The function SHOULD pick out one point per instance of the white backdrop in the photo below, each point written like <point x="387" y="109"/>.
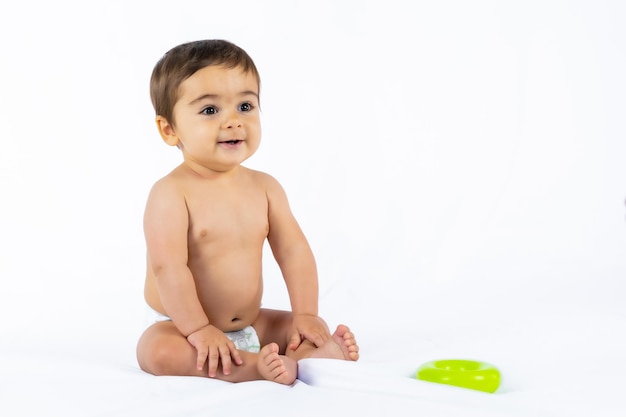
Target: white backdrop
<point x="452" y="162"/>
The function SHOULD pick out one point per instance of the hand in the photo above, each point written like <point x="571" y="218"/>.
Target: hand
<point x="210" y="342"/>
<point x="308" y="327"/>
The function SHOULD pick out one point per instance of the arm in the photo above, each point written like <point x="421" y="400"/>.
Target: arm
<point x="297" y="264"/>
<point x="166" y="224"/>
<point x="165" y="228"/>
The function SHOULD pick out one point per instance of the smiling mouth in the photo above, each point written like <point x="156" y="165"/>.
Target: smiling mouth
<point x="232" y="142"/>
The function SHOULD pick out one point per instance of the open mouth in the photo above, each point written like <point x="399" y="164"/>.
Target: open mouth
<point x="231" y="142"/>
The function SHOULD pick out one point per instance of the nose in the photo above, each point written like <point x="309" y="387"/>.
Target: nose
<point x="232" y="121"/>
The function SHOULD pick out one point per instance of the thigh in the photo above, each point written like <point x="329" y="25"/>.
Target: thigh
<point x="273" y="326"/>
<point x="163" y="350"/>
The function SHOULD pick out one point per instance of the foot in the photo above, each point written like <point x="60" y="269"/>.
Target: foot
<point x="275" y="367"/>
<point x="342" y="345"/>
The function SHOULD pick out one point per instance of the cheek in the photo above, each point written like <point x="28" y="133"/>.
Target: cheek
<point x="255" y="126"/>
<point x="205" y="129"/>
<point x="254" y="133"/>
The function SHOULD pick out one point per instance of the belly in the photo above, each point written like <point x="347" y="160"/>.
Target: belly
<point x="230" y="292"/>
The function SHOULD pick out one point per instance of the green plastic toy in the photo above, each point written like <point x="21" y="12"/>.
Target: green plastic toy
<point x="463" y="373"/>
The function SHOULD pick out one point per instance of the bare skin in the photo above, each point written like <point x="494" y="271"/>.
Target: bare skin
<point x="283" y="369"/>
<point x="205" y="225"/>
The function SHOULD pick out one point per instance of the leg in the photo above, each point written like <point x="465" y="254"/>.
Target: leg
<point x="271" y="327"/>
<point x="162" y="350"/>
<point x="274" y="326"/>
<point x="342" y="345"/>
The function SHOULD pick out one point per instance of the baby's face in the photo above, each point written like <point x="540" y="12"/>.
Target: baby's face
<point x="217" y="117"/>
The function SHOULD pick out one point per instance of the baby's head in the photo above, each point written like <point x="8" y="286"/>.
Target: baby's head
<point x="182" y="61"/>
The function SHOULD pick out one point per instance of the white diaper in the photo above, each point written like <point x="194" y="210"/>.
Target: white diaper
<point x="244" y="339"/>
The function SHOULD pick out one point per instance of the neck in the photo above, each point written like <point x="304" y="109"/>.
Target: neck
<point x="211" y="173"/>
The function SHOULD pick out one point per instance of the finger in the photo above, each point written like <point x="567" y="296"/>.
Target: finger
<point x="225" y="357"/>
<point x="214" y="360"/>
<point x="234" y="353"/>
<point x="318" y="338"/>
<point x="201" y="359"/>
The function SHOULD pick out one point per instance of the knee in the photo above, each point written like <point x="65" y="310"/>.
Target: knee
<point x="157" y="358"/>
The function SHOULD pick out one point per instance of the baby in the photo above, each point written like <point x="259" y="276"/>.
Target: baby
<point x="205" y="226"/>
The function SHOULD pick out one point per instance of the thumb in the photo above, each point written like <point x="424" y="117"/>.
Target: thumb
<point x="294" y="340"/>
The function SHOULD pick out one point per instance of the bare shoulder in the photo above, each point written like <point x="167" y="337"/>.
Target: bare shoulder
<point x="168" y="188"/>
<point x="279" y="211"/>
<point x="267" y="181"/>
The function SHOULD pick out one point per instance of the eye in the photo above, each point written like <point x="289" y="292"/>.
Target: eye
<point x="246" y="107"/>
<point x="209" y="110"/>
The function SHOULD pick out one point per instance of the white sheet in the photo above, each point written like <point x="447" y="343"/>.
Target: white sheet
<point x="554" y="363"/>
<point x="563" y="363"/>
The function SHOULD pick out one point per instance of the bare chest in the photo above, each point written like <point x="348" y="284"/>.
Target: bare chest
<point x="235" y="218"/>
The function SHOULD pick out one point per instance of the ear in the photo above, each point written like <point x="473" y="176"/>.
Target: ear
<point x="166" y="130"/>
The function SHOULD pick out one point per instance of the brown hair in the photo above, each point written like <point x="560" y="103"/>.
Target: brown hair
<point x="182" y="61"/>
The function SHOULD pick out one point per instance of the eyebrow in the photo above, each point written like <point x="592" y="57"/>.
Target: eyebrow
<point x="214" y="96"/>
